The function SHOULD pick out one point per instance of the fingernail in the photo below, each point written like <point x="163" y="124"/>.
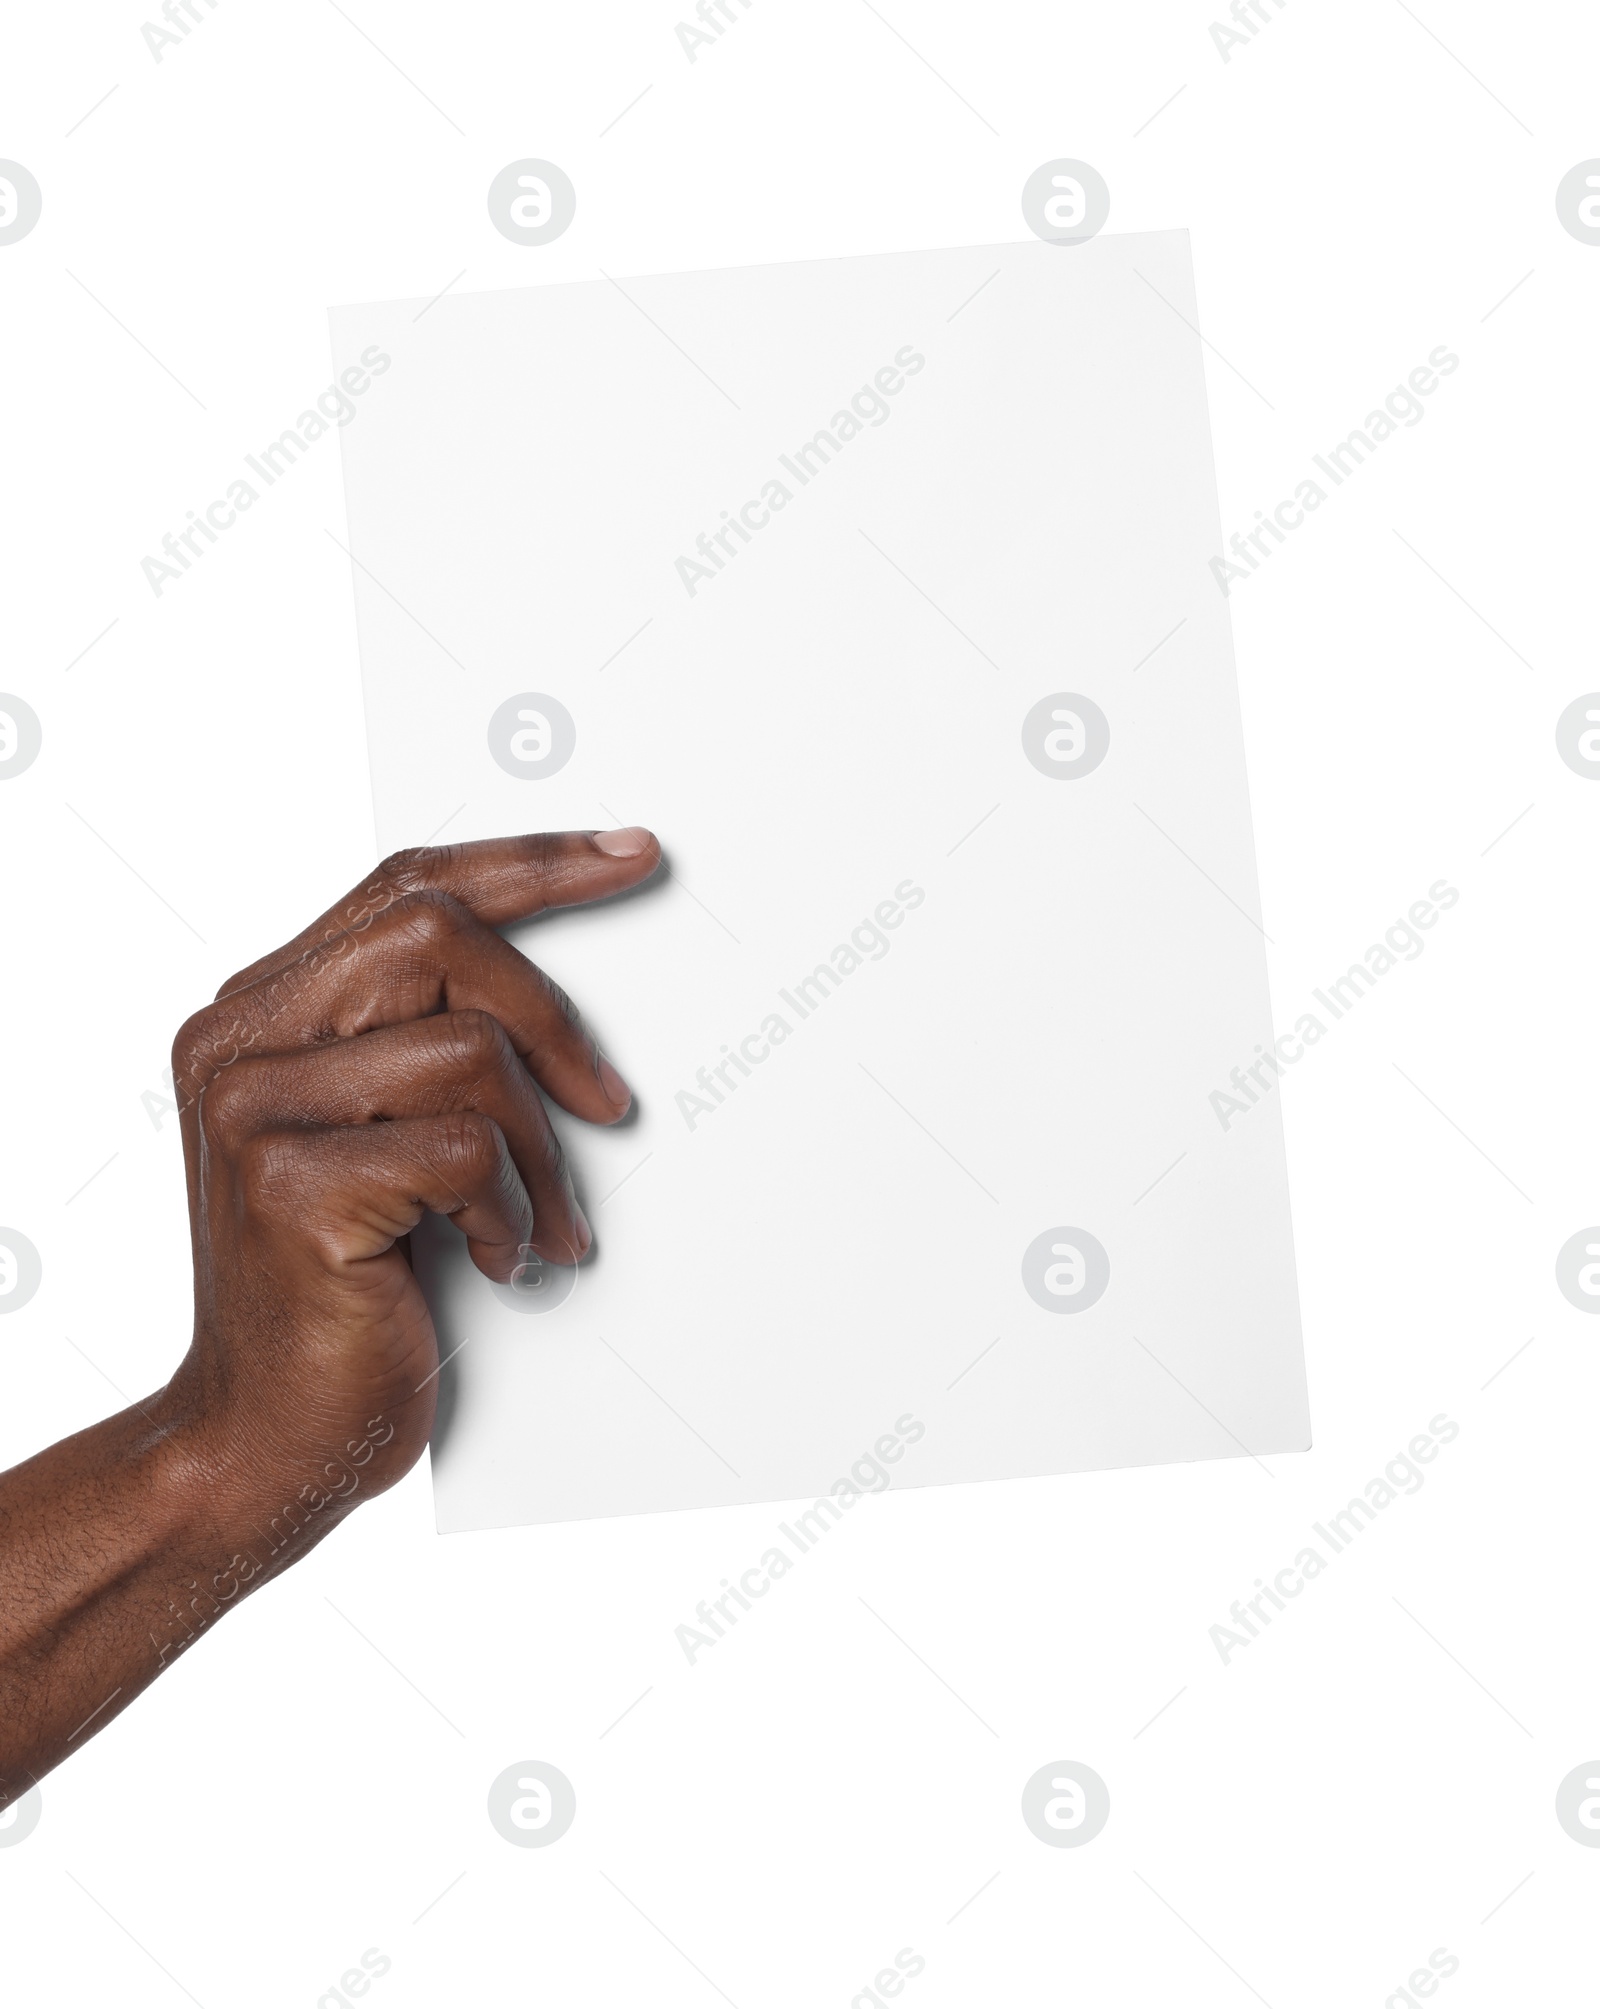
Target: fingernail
<point x="622" y="843"/>
<point x="585" y="1233"/>
<point x="617" y="1090"/>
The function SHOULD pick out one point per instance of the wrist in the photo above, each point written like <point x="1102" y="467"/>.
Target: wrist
<point x="257" y="1495"/>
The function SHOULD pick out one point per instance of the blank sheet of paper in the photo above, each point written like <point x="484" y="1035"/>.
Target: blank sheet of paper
<point x="880" y="589"/>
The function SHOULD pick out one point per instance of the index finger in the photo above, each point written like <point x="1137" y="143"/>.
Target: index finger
<point x="501" y="879"/>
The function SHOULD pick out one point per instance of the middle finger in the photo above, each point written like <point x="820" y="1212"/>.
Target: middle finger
<point x="424" y="955"/>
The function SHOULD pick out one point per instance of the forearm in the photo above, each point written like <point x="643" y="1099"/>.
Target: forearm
<point x="118" y="1547"/>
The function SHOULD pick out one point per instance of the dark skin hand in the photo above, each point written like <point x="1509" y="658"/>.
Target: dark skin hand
<point x="380" y="1066"/>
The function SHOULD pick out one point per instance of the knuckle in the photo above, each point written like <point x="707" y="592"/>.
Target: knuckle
<point x="414" y="869"/>
<point x="208" y="1041"/>
<point x="430" y="916"/>
<point x="407" y="869"/>
<point x="224" y="1104"/>
<point x="472" y="1141"/>
<point x="475" y="1041"/>
<point x="193" y="1038"/>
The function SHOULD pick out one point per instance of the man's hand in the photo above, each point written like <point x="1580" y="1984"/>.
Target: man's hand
<point x="384" y="1064"/>
<point x="380" y="1066"/>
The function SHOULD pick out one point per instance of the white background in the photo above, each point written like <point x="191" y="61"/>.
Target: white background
<point x="1374" y="1777"/>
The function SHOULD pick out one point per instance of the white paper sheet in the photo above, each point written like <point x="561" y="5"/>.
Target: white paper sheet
<point x="1040" y="968"/>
